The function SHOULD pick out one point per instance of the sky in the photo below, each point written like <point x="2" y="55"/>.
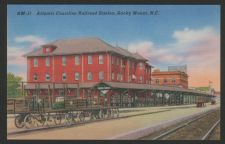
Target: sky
<point x="176" y="35"/>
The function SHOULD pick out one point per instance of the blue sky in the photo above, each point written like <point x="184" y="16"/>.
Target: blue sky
<point x="161" y="32"/>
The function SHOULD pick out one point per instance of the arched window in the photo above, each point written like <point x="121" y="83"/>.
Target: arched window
<point x="77" y="76"/>
<point x="35" y="77"/>
<point x="64" y="76"/>
<point x="47" y="77"/>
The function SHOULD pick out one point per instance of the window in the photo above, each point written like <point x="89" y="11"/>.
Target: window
<point x="47" y="49"/>
<point x="101" y="75"/>
<point x="141" y="65"/>
<point x="117" y="62"/>
<point x="100" y="59"/>
<point x="64" y="76"/>
<point x="63" y="60"/>
<point x="47" y="77"/>
<point x="77" y="60"/>
<point x="89" y="59"/>
<point x="121" y="77"/>
<point x="174" y="81"/>
<point x="35" y="62"/>
<point x="165" y="80"/>
<point x="47" y="61"/>
<point x="129" y="78"/>
<point x="112" y="59"/>
<point x="35" y="77"/>
<point x="141" y="79"/>
<point x="118" y="76"/>
<point x="157" y="81"/>
<point x="77" y="76"/>
<point x="112" y="76"/>
<point x="89" y="76"/>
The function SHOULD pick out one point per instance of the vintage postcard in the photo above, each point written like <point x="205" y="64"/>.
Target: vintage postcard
<point x="111" y="72"/>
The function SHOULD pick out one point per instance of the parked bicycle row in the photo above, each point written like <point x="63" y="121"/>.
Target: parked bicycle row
<point x="64" y="117"/>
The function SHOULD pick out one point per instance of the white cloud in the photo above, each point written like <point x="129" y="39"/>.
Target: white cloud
<point x="15" y="53"/>
<point x="190" y="45"/>
<point x="34" y="41"/>
<point x="15" y="56"/>
<point x="155" y="54"/>
<point x="198" y="48"/>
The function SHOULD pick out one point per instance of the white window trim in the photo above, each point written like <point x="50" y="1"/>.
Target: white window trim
<point x="141" y="65"/>
<point x="77" y="74"/>
<point x="63" y="60"/>
<point x="35" y="64"/>
<point x="101" y="59"/>
<point x="47" y="61"/>
<point x="101" y="75"/>
<point x="112" y="59"/>
<point x="77" y="60"/>
<point x="47" y="49"/>
<point x="63" y="76"/>
<point x="89" y="59"/>
<point x="112" y="76"/>
<point x="36" y="77"/>
<point x="46" y="77"/>
<point x="89" y="74"/>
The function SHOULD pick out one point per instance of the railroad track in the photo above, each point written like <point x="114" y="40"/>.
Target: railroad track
<point x="211" y="131"/>
<point x="191" y="129"/>
<point x="78" y="124"/>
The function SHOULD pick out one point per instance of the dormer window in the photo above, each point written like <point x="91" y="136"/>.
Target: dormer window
<point x="47" y="49"/>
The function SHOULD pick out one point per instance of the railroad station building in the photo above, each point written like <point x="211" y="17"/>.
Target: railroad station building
<point x="84" y="63"/>
<point x="91" y="69"/>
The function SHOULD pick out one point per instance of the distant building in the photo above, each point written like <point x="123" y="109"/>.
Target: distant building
<point x="206" y="89"/>
<point x="170" y="78"/>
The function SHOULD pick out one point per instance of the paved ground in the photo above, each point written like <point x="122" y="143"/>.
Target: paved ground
<point x="111" y="128"/>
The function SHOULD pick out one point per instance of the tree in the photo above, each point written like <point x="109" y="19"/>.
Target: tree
<point x="13" y="85"/>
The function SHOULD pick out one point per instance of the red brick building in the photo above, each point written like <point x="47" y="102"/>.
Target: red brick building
<point x="170" y="78"/>
<point x="86" y="62"/>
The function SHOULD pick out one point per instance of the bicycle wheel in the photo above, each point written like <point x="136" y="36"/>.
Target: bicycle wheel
<point x="112" y="113"/>
<point x="41" y="120"/>
<point x="19" y="121"/>
<point x="81" y="117"/>
<point x="116" y="112"/>
<point x="69" y="119"/>
<point x="101" y="114"/>
<point x="29" y="121"/>
<point x="108" y="113"/>
<point x="57" y="119"/>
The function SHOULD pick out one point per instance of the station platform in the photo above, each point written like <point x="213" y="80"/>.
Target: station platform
<point x="116" y="128"/>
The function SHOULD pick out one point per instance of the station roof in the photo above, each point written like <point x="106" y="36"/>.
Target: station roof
<point x="114" y="85"/>
<point x="82" y="45"/>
